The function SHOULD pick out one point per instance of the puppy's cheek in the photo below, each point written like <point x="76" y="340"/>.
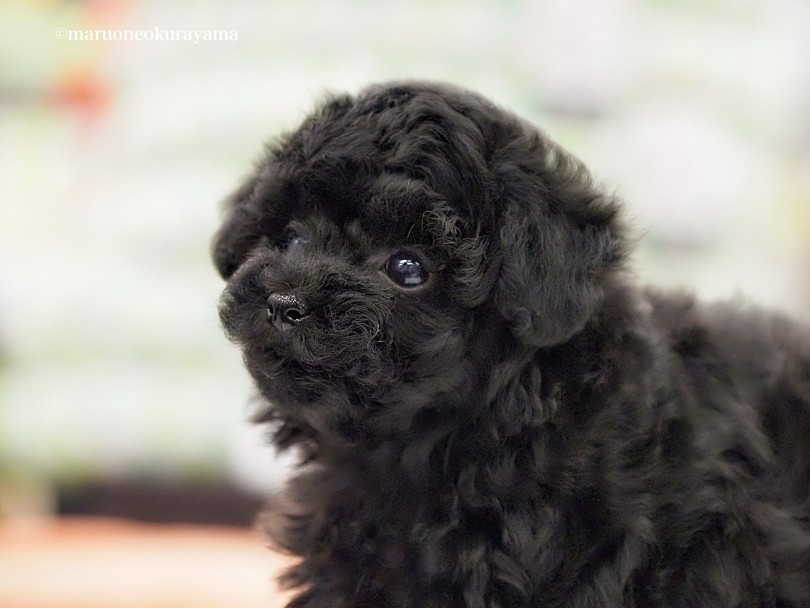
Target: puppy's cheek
<point x="348" y="341"/>
<point x="431" y="331"/>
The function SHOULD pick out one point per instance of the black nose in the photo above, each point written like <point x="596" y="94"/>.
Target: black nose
<point x="285" y="310"/>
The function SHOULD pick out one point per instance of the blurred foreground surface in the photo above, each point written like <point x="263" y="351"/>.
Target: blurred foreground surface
<point x="109" y="563"/>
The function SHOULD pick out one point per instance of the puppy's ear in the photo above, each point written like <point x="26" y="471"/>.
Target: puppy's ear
<point x="252" y="213"/>
<point x="559" y="239"/>
<point x="239" y="231"/>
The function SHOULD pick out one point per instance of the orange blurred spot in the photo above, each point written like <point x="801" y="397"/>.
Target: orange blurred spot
<point x="84" y="90"/>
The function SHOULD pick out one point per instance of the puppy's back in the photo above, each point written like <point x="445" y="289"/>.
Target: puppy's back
<point x="752" y="367"/>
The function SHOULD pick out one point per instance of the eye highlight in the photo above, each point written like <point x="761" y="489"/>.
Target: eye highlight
<point x="405" y="270"/>
<point x="291" y="240"/>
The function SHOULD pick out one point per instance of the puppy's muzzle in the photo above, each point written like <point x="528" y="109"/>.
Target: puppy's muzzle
<point x="285" y="310"/>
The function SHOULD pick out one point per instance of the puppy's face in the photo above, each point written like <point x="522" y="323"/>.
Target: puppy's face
<point x="398" y="244"/>
<point x="355" y="301"/>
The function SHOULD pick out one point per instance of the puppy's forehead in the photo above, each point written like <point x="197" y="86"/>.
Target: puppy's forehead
<point x="388" y="160"/>
<point x="397" y="204"/>
<point x="418" y="130"/>
<point x="389" y="210"/>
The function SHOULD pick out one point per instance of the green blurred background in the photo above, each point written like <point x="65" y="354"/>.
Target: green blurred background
<point x="114" y="156"/>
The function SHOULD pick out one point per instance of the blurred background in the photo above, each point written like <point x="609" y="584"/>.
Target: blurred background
<point x="119" y="396"/>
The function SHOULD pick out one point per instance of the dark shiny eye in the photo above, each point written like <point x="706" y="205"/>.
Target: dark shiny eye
<point x="405" y="270"/>
<point x="292" y="240"/>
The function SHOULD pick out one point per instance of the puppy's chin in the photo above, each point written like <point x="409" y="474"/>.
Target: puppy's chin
<point x="310" y="366"/>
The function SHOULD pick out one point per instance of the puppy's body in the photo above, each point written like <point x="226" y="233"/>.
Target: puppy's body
<point x="430" y="297"/>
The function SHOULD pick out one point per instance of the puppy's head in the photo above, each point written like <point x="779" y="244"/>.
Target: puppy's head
<point x="399" y="243"/>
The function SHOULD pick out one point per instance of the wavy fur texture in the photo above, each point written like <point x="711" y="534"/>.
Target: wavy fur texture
<point x="528" y="428"/>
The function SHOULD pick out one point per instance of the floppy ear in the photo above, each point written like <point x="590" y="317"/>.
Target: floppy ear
<point x="559" y="239"/>
<point x="252" y="213"/>
<point x="239" y="232"/>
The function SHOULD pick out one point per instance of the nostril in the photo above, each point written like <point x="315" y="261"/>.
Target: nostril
<point x="294" y="315"/>
<point x="285" y="310"/>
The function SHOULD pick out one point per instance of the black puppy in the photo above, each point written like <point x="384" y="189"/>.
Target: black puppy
<point x="430" y="296"/>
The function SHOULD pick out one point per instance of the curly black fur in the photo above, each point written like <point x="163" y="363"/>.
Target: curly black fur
<point x="527" y="428"/>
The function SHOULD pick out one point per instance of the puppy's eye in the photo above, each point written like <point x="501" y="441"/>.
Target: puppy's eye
<point x="405" y="270"/>
<point x="292" y="240"/>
